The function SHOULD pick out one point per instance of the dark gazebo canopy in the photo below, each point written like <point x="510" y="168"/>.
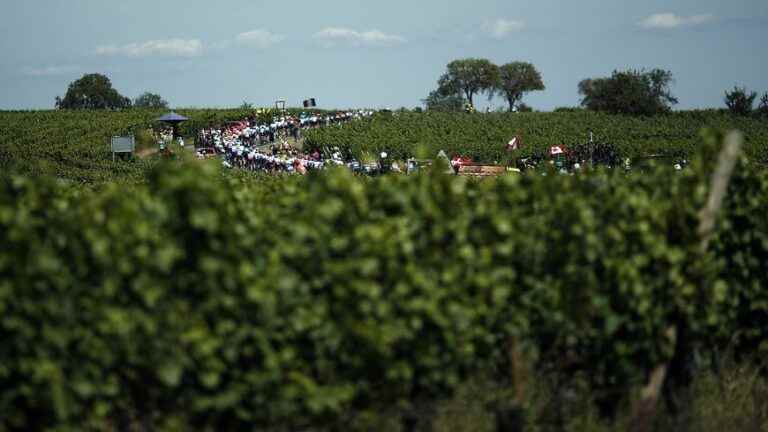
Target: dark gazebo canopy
<point x="174" y="120"/>
<point x="172" y="117"/>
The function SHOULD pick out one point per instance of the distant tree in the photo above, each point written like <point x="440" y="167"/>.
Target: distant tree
<point x="150" y="100"/>
<point x="762" y="109"/>
<point x="469" y="77"/>
<point x="522" y="107"/>
<point x="629" y="92"/>
<point x="418" y="109"/>
<point x="92" y="91"/>
<point x="568" y="109"/>
<point x="739" y="101"/>
<point x="516" y="79"/>
<point x="246" y="106"/>
<point x="439" y="101"/>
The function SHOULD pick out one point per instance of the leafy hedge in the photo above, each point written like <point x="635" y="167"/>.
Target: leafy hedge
<point x="204" y="300"/>
<point x="484" y="136"/>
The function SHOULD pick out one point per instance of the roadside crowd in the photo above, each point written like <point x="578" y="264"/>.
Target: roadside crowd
<point x="248" y="144"/>
<point x="164" y="135"/>
<point x="255" y="146"/>
<point x="250" y="132"/>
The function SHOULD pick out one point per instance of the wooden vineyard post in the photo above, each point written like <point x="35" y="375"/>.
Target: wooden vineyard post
<point x="644" y="410"/>
<point x="726" y="163"/>
<point x="511" y="418"/>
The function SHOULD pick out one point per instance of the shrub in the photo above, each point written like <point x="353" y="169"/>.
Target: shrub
<point x="739" y="101"/>
<point x="568" y="109"/>
<point x="762" y="109"/>
<point x="629" y="92"/>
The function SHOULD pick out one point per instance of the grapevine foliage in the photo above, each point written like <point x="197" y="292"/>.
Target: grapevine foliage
<point x="230" y="304"/>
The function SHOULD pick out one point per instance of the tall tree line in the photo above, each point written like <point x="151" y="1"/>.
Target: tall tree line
<point x="466" y="78"/>
<point x="634" y="92"/>
<point x="95" y="92"/>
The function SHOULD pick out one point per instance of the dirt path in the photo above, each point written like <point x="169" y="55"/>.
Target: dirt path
<point x="149" y="152"/>
<point x="146" y="153"/>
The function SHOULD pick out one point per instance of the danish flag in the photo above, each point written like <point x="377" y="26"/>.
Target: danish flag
<point x="556" y="150"/>
<point x="514" y="144"/>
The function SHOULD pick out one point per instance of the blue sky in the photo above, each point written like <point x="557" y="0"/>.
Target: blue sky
<point x="359" y="53"/>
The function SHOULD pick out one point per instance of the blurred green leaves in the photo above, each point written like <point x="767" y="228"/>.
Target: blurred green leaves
<point x="228" y="303"/>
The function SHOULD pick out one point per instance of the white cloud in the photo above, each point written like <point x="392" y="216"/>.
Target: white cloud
<point x="671" y="21"/>
<point x="260" y="38"/>
<point x="166" y="48"/>
<point x="48" y="71"/>
<point x="331" y="36"/>
<point x="501" y="28"/>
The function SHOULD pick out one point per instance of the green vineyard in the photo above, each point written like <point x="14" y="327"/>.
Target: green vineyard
<point x="74" y="145"/>
<point x="414" y="216"/>
<point x="484" y="136"/>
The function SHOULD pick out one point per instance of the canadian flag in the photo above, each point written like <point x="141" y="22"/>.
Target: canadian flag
<point x="556" y="150"/>
<point x="458" y="161"/>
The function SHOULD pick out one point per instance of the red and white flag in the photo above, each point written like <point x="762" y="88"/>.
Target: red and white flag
<point x="514" y="144"/>
<point x="556" y="150"/>
<point x="458" y="161"/>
